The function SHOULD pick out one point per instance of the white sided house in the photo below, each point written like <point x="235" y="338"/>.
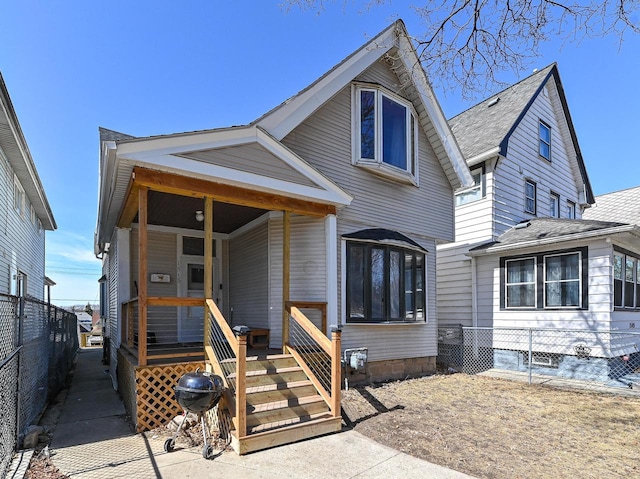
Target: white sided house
<point x="303" y="233"/>
<point x="26" y="213"/>
<point x="523" y="257"/>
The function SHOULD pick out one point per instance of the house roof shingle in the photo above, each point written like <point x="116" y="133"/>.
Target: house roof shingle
<point x="540" y="229"/>
<point x="483" y="127"/>
<point x="489" y="124"/>
<point x="623" y="205"/>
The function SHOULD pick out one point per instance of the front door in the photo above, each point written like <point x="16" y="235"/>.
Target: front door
<point x="191" y="318"/>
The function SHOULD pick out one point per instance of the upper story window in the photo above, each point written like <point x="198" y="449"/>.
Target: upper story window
<point x="476" y="192"/>
<point x="544" y="133"/>
<point x="530" y="196"/>
<point x="545" y="281"/>
<point x="386" y="134"/>
<point x="19" y="198"/>
<point x="571" y="207"/>
<point x="554" y="205"/>
<point x="384" y="284"/>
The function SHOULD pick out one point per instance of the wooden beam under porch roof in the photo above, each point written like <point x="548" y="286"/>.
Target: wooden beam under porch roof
<point x="199" y="188"/>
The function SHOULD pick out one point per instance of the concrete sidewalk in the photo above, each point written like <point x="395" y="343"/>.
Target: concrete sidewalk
<point x="93" y="440"/>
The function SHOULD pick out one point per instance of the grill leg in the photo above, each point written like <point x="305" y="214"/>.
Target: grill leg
<point x="170" y="443"/>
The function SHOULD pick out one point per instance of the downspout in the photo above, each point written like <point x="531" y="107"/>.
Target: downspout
<point x="474" y="306"/>
<point x="474" y="293"/>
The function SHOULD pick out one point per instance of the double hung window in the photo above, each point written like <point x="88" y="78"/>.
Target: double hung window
<point x="384" y="284"/>
<point x="530" y="196"/>
<point x="545" y="281"/>
<point x="544" y="133"/>
<point x="626" y="280"/>
<point x="554" y="205"/>
<point x="571" y="207"/>
<point x="386" y="133"/>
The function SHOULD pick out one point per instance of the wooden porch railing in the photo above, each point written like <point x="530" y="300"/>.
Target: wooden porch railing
<point x="227" y="354"/>
<point x="318" y="355"/>
<point x="133" y="327"/>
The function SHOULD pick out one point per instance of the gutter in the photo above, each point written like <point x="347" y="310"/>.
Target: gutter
<point x="474" y="160"/>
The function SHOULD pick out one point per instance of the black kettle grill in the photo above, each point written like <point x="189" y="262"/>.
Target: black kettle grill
<point x="197" y="392"/>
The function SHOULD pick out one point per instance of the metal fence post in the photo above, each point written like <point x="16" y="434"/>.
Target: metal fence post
<point x="530" y="351"/>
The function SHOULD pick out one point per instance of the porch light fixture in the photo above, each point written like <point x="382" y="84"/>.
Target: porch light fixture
<point x="199" y="216"/>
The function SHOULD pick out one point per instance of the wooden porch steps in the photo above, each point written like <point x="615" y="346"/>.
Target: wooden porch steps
<point x="282" y="404"/>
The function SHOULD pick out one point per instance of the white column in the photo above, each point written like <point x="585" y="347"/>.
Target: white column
<point x="331" y="255"/>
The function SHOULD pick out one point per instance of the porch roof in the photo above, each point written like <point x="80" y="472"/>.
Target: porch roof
<point x="246" y="158"/>
<point x="548" y="231"/>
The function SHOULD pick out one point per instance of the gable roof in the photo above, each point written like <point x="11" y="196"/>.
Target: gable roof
<point x="15" y="148"/>
<point x="281" y="120"/>
<point x="544" y="231"/>
<point x="488" y="126"/>
<point x="623" y="205"/>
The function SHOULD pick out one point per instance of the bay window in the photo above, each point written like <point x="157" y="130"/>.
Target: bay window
<point x="386" y="133"/>
<point x="384" y="284"/>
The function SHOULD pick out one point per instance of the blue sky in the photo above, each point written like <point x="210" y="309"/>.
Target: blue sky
<point x="156" y="67"/>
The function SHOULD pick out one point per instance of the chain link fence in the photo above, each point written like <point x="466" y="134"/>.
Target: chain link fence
<point x="38" y="343"/>
<point x="606" y="361"/>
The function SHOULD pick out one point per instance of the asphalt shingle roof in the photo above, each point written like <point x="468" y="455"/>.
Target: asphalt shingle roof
<point x="483" y="127"/>
<point x="621" y="205"/>
<point x="542" y="228"/>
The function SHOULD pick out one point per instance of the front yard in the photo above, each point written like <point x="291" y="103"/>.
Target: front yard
<point x="493" y="428"/>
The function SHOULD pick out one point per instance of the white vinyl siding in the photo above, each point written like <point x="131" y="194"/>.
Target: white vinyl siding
<point x="249" y="278"/>
<point x="559" y="176"/>
<point x="423" y="213"/>
<point x="22" y="242"/>
<point x="453" y="282"/>
<point x="162" y="258"/>
<point x="307" y="268"/>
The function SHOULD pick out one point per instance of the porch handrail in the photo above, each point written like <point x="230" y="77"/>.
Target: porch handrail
<point x="229" y="361"/>
<point x="302" y="343"/>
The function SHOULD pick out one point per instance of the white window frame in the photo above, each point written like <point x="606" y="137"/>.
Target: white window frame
<point x="19" y="197"/>
<point x="542" y="141"/>
<point x="571" y="206"/>
<point x="476" y="192"/>
<point x="578" y="280"/>
<point x="535" y="196"/>
<point x="534" y="282"/>
<point x="554" y="203"/>
<point x="377" y="165"/>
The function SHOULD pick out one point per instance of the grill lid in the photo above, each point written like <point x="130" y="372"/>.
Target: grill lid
<point x="200" y="382"/>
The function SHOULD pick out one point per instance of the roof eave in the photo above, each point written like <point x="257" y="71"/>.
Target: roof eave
<point x="499" y="248"/>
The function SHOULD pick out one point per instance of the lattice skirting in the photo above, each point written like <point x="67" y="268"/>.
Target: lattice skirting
<point x="155" y="404"/>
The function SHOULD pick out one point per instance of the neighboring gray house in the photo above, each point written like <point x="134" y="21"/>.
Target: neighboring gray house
<point x="26" y="213"/>
<point x="523" y="258"/>
<point x="321" y="201"/>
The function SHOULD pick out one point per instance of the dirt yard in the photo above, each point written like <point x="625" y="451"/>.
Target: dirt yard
<point x="493" y="428"/>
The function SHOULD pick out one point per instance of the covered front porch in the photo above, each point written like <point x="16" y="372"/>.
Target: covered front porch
<point x="210" y="276"/>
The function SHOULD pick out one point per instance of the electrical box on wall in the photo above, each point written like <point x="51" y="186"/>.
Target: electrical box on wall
<point x="160" y="278"/>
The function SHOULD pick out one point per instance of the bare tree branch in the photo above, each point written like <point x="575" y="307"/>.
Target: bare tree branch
<point x="468" y="44"/>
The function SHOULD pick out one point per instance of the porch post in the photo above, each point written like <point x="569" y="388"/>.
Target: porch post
<point x="208" y="263"/>
<point x="331" y="255"/>
<point x="142" y="275"/>
<point x="286" y="276"/>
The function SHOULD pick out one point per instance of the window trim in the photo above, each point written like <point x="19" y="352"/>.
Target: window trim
<point x="624" y="254"/>
<point x="571" y="206"/>
<point x="481" y="185"/>
<point x="377" y="165"/>
<point x="540" y="283"/>
<point x="535" y="196"/>
<point x="541" y="141"/>
<point x="554" y="199"/>
<point x="19" y="197"/>
<point x="366" y="319"/>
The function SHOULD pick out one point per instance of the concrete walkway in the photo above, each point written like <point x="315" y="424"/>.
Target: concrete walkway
<point x="93" y="440"/>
